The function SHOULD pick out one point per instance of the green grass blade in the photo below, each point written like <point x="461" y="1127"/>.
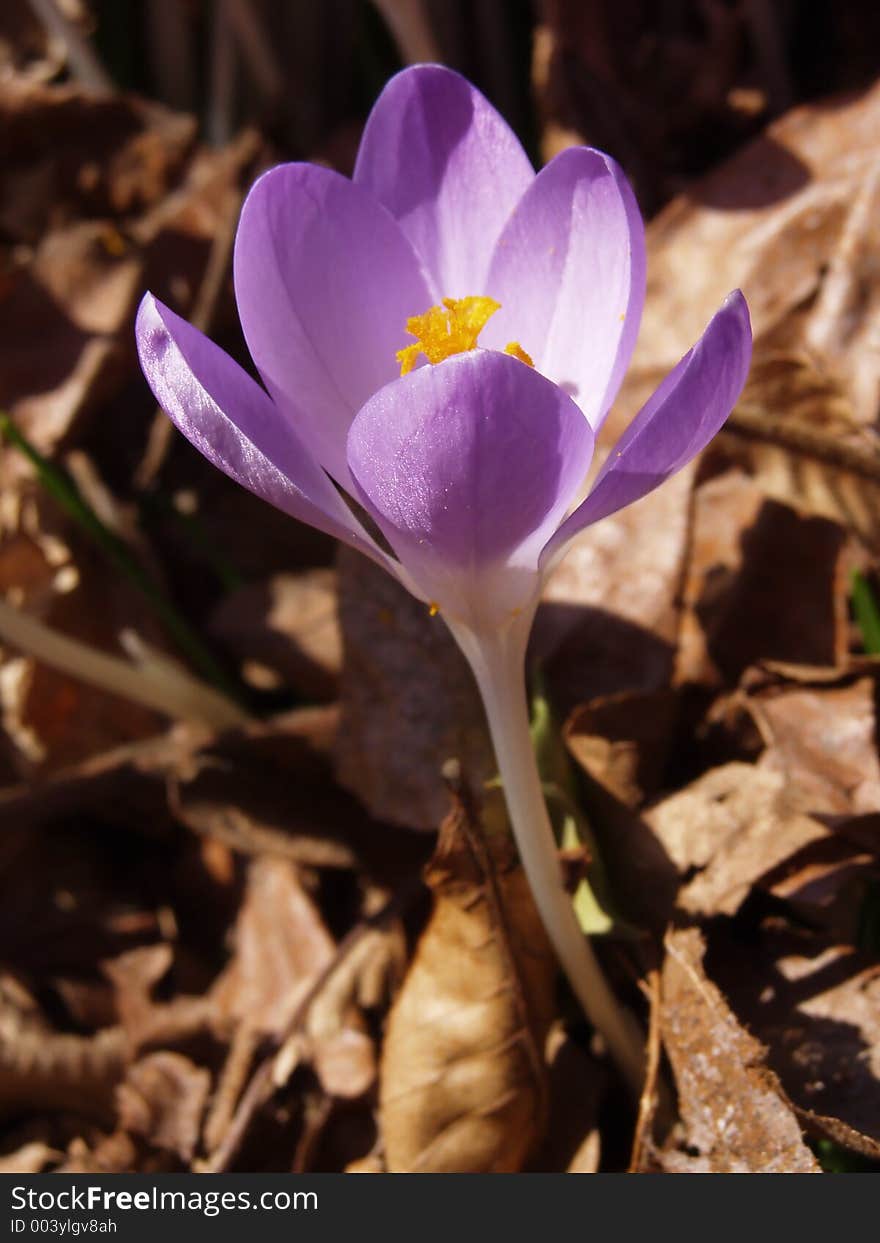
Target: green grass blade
<point x="867" y="613"/>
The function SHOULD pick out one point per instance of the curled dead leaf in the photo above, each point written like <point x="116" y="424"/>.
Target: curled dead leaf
<point x="463" y="1082"/>
<point x="162" y="1098"/>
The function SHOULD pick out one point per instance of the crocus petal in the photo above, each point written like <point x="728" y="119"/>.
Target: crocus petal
<point x="448" y="168"/>
<point x="467" y="466"/>
<point x="569" y="272"/>
<point x="686" y="411"/>
<point x="229" y="419"/>
<point x="325" y="282"/>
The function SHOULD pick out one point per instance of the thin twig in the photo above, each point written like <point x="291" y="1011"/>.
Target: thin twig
<point x="262" y="1084"/>
<point x="755" y="423"/>
<point x="650" y="1094"/>
<point x="233" y="1077"/>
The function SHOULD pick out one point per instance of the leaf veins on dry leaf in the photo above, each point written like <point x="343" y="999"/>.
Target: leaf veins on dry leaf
<point x="463" y="1082"/>
<point x="735" y="1118"/>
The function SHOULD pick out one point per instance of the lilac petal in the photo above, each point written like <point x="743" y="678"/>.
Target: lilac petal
<point x="448" y="168"/>
<point x="467" y="466"/>
<point x="680" y="419"/>
<point x="229" y="419"/>
<point x="569" y="272"/>
<point x="325" y="283"/>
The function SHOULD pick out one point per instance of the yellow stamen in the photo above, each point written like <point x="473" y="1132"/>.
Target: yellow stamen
<point x="514" y="348"/>
<point x="452" y="328"/>
<point x="433" y="608"/>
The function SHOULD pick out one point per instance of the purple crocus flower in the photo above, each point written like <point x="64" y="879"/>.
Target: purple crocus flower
<point x="467" y="445"/>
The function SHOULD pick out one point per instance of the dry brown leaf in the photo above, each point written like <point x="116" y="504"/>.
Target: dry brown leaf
<point x="824" y="741"/>
<point x="733" y="1111"/>
<point x="791" y="822"/>
<point x="841" y="1072"/>
<point x="283" y="951"/>
<point x="69" y="152"/>
<point x="286" y="632"/>
<point x="622" y="742"/>
<point x="816" y="1006"/>
<point x="819" y="1126"/>
<point x="76" y="165"/>
<point x="792" y="220"/>
<point x="787" y="823"/>
<point x="270" y="789"/>
<point x="796" y="439"/>
<point x="281" y="947"/>
<point x="108" y="1154"/>
<point x="409" y="702"/>
<point x="735" y="825"/>
<point x="134" y="977"/>
<point x="125" y="776"/>
<point x="163" y="1098"/>
<point x="63" y="351"/>
<point x="463" y="1084"/>
<point x="643" y="82"/>
<point x="345" y="1063"/>
<point x="763" y="583"/>
<point x="699" y="821"/>
<point x="31" y="1158"/>
<point x="265" y="790"/>
<point x="827" y="883"/>
<point x="106" y="195"/>
<point x="371" y="1164"/>
<point x="609" y="616"/>
<point x="333" y="1034"/>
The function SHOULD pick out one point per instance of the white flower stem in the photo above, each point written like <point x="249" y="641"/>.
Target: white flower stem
<point x="498" y="664"/>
